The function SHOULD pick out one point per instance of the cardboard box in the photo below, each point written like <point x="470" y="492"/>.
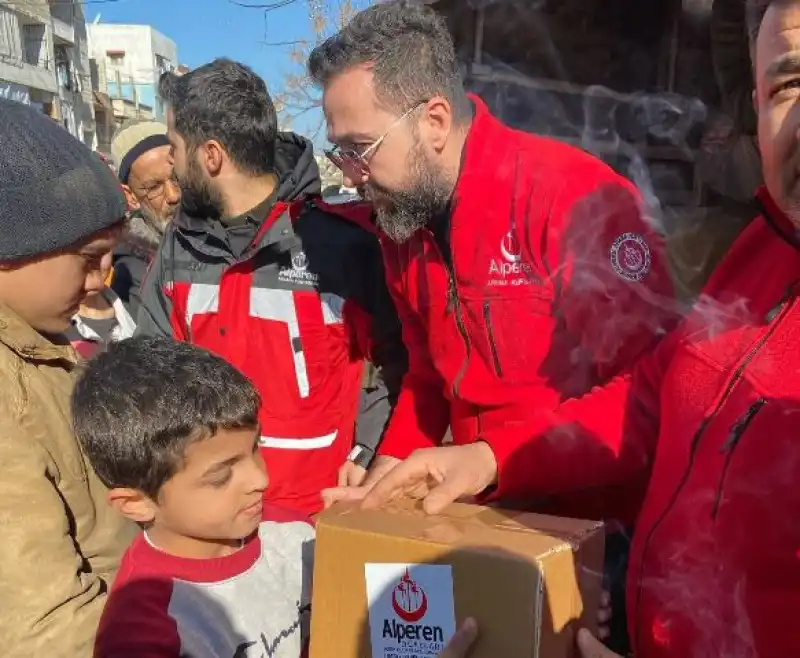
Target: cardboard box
<point x="395" y="583"/>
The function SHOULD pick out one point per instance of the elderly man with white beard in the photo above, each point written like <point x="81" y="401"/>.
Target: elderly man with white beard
<point x="143" y="158"/>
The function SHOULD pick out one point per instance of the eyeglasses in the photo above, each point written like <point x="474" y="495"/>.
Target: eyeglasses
<point x="154" y="191"/>
<point x="354" y="162"/>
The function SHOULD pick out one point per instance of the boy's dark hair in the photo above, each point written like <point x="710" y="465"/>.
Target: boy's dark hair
<point x="137" y="406"/>
<point x="228" y="102"/>
<point x="410" y="48"/>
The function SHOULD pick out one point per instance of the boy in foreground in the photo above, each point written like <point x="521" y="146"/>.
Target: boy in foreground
<point x="172" y="430"/>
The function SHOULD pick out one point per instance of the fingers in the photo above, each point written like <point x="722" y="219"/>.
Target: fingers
<point x="590" y="647"/>
<point x="344" y="470"/>
<point x="343" y="495"/>
<point x="442" y="495"/>
<point x="351" y="475"/>
<point x="379" y="469"/>
<point x="604" y="613"/>
<point x="402" y="479"/>
<point x="461" y="643"/>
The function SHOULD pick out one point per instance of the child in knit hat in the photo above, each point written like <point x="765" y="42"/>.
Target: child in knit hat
<point x="60" y="213"/>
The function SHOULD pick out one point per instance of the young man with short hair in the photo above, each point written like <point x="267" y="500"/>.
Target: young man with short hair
<point x="285" y="287"/>
<point x="61" y="211"/>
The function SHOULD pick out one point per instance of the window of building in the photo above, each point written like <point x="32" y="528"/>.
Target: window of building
<point x="116" y="58"/>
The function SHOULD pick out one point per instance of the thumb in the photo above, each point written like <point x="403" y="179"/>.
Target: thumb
<point x="462" y="641"/>
<point x="591" y="647"/>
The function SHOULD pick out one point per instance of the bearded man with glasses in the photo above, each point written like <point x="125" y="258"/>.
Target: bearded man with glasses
<point x="523" y="269"/>
<point x="143" y="158"/>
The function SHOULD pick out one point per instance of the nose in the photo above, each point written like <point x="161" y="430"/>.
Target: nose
<point x="257" y="477"/>
<point x="173" y="192"/>
<point x="96" y="278"/>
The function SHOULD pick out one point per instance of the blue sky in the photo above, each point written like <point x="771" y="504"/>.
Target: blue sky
<point x="205" y="29"/>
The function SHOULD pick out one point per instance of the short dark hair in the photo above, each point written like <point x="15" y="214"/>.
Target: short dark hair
<point x="138" y="405"/>
<point x="410" y="48"/>
<point x="228" y="102"/>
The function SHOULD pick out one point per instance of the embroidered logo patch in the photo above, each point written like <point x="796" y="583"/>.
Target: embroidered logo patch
<point x="630" y="256"/>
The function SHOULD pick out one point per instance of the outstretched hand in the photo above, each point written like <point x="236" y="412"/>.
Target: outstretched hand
<point x="590" y="647"/>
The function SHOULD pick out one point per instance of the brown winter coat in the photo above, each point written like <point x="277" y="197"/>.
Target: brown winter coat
<point x="61" y="542"/>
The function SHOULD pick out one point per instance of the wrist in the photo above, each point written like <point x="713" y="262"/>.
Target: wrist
<point x="361" y="456"/>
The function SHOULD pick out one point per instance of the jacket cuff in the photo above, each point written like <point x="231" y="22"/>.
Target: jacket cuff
<point x="400" y="444"/>
<point x="504" y="445"/>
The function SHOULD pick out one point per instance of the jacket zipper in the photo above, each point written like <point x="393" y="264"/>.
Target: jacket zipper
<point x="782" y="309"/>
<point x="487" y="318"/>
<point x="454" y="304"/>
<point x="737" y="432"/>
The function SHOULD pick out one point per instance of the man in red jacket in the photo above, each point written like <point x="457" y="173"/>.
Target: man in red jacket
<point x="522" y="268"/>
<point x="715" y="560"/>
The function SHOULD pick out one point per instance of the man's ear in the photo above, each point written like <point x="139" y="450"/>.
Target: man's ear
<point x="754" y="99"/>
<point x="212" y="156"/>
<point x="133" y="504"/>
<point x="130" y="197"/>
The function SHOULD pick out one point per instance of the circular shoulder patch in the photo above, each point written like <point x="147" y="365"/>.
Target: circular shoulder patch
<point x="630" y="256"/>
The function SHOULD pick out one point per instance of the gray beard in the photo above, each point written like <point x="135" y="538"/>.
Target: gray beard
<point x="411" y="210"/>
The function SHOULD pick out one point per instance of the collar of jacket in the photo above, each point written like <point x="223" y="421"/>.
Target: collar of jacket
<point x="776" y="218"/>
<point x="276" y="231"/>
<point x="20" y="337"/>
<point x="484" y="152"/>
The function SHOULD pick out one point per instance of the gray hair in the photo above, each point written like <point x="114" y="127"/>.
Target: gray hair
<point x="411" y="51"/>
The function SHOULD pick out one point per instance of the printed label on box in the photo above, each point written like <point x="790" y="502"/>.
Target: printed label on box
<point x="411" y="610"/>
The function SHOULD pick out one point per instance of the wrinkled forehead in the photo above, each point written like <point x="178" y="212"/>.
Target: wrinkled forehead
<point x="351" y="109"/>
<point x="155" y="163"/>
<point x="778" y="43"/>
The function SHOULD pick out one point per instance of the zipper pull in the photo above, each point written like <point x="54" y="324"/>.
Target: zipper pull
<point x="738" y="428"/>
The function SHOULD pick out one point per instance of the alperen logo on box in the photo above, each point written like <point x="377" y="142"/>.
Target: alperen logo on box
<point x="411" y="609"/>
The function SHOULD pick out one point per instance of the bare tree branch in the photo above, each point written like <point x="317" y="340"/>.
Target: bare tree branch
<point x="298" y="95"/>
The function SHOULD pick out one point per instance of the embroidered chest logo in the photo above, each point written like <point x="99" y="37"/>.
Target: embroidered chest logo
<point x="510" y="269"/>
<point x="298" y="273"/>
<point x="630" y="256"/>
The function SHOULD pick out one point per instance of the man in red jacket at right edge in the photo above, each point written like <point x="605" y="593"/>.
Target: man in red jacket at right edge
<point x="715" y="559"/>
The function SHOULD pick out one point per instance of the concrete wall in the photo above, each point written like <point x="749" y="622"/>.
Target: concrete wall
<point x="147" y="54"/>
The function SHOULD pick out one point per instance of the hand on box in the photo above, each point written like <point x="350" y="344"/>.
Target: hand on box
<point x="590" y="647"/>
<point x="355" y="489"/>
<point x="461" y="643"/>
<point x="351" y="474"/>
<point x="604" y="616"/>
<point x="439" y="476"/>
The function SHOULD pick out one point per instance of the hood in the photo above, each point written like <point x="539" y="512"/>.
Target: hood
<point x="298" y="174"/>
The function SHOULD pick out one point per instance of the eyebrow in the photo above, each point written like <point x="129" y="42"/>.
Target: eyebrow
<point x="353" y="138"/>
<point x="215" y="468"/>
<point x="785" y="64"/>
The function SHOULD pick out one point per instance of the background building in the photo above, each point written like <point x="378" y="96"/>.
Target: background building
<point x="44" y="61"/>
<point x="127" y="61"/>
